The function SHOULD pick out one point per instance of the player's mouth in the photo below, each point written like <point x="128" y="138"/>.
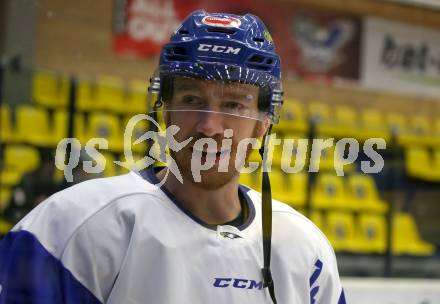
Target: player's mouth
<point x="211" y="155"/>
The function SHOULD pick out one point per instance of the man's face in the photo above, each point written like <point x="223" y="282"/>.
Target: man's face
<point x="205" y="109"/>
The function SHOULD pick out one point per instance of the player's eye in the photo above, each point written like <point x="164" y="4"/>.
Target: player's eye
<point x="234" y="105"/>
<point x="192" y="100"/>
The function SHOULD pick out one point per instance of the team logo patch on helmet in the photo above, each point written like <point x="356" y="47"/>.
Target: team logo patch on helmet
<point x="268" y="37"/>
<point x="221" y="21"/>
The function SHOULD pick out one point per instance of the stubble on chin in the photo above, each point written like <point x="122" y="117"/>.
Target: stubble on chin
<point x="211" y="179"/>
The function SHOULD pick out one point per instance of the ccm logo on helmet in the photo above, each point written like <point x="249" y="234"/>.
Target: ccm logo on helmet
<point x="237" y="283"/>
<point x="218" y="49"/>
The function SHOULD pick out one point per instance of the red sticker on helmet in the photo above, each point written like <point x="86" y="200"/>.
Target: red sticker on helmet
<point x="221" y="21"/>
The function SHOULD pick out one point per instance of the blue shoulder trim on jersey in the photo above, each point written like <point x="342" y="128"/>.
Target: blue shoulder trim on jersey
<point x="342" y="298"/>
<point x="315" y="275"/>
<point x="30" y="274"/>
<point x="150" y="176"/>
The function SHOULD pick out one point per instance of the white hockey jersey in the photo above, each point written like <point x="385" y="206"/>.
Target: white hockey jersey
<point x="121" y="240"/>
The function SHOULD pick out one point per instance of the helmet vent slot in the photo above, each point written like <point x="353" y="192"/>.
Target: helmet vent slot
<point x="176" y="53"/>
<point x="258" y="39"/>
<point x="261" y="62"/>
<point x="256" y="59"/>
<point x="220" y="30"/>
<point x="183" y="32"/>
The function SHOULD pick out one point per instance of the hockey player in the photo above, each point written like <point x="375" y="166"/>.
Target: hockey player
<point x="199" y="237"/>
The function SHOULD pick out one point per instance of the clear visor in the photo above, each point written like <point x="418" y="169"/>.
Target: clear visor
<point x="188" y="92"/>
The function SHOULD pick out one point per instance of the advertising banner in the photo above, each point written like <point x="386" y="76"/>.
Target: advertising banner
<point x="141" y="27"/>
<point x="400" y="57"/>
<point x="312" y="44"/>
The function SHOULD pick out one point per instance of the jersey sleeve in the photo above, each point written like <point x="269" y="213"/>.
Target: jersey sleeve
<point x="69" y="249"/>
<point x="29" y="273"/>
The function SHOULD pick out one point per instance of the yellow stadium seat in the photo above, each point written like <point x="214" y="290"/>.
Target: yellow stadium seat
<point x="436" y="132"/>
<point x="341" y="231"/>
<point x="6" y="128"/>
<point x="255" y="156"/>
<point x="33" y="126"/>
<point x="396" y="122"/>
<point x="330" y="160"/>
<point x="329" y="192"/>
<point x="50" y="90"/>
<point x="5" y="226"/>
<point x="109" y="94"/>
<point x="371" y="233"/>
<point x="251" y="180"/>
<point x="437" y="126"/>
<point x="372" y="118"/>
<point x="437" y="160"/>
<point x="292" y="117"/>
<point x="326" y="161"/>
<point x="85" y="96"/>
<point x="5" y="197"/>
<point x="17" y="160"/>
<point x="419" y="132"/>
<point x="60" y="126"/>
<point x="103" y="93"/>
<point x="373" y="126"/>
<point x="363" y="193"/>
<point x="419" y="163"/>
<point x="136" y="100"/>
<point x="298" y="156"/>
<point x="344" y="124"/>
<point x="406" y="238"/>
<point x="275" y="152"/>
<point x="289" y="188"/>
<point x="318" y="219"/>
<point x="299" y="183"/>
<point x="319" y="111"/>
<point x="106" y="126"/>
<point x="346" y="115"/>
<point x="420" y="125"/>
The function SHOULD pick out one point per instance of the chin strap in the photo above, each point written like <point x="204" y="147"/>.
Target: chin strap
<point x="267" y="220"/>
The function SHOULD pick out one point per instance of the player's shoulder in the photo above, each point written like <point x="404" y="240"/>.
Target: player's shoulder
<point x="92" y="195"/>
<point x="106" y="187"/>
<point x="289" y="224"/>
<point x="54" y="221"/>
<point x="292" y="224"/>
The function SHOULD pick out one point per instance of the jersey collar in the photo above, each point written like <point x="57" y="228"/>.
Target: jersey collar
<point x="149" y="175"/>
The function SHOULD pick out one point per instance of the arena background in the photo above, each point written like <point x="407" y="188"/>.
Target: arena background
<point x="358" y="68"/>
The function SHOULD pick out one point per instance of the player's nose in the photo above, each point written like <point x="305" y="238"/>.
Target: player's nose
<point x="210" y="124"/>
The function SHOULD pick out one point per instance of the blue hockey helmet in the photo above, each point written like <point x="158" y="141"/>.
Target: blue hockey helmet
<point x="223" y="47"/>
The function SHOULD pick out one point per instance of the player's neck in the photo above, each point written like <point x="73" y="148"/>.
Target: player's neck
<point x="211" y="206"/>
